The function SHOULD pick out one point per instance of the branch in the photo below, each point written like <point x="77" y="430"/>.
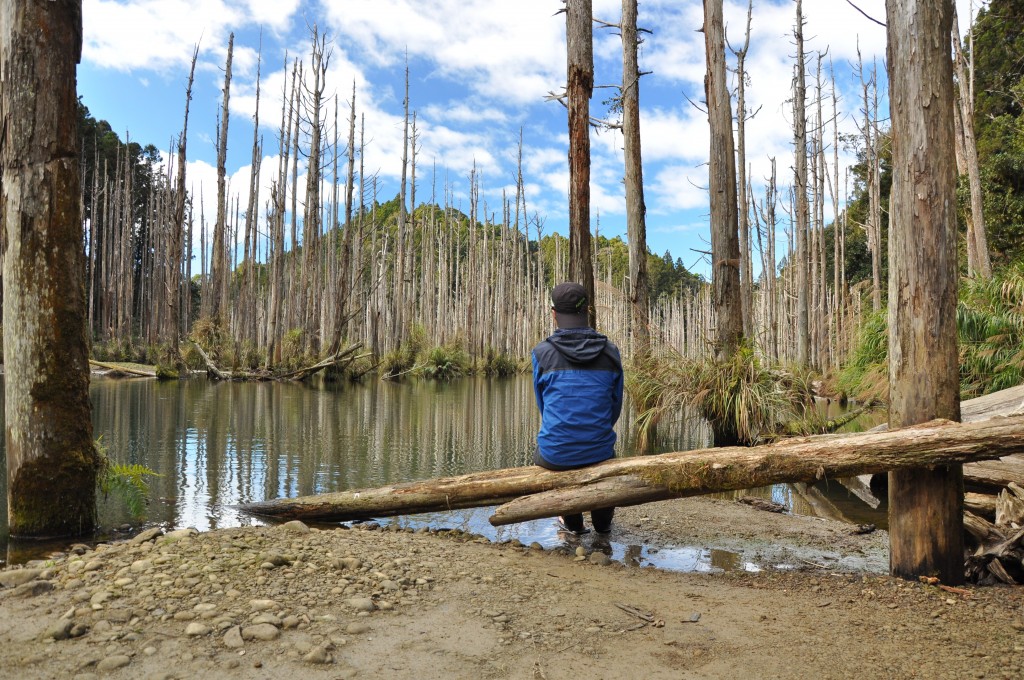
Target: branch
<point x="880" y="23"/>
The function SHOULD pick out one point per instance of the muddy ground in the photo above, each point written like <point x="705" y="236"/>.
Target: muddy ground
<point x="382" y="602"/>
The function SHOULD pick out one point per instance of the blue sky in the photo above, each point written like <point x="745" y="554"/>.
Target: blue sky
<point x="479" y="72"/>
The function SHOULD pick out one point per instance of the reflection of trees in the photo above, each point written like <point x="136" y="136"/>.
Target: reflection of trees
<point x="221" y="444"/>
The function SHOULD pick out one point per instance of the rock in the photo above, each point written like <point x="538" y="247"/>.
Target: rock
<point x="61" y="630"/>
<point x="16" y="577"/>
<point x="263" y="605"/>
<point x="389" y="586"/>
<point x="362" y="604"/>
<point x="32" y="589"/>
<point x="357" y="628"/>
<point x="600" y="559"/>
<point x="147" y="535"/>
<point x="350" y="563"/>
<point x="92" y="565"/>
<point x="267" y="618"/>
<point x="139" y="566"/>
<point x="179" y="534"/>
<point x="277" y="560"/>
<point x="78" y="630"/>
<point x="261" y="631"/>
<point x="295" y="527"/>
<point x="100" y="597"/>
<point x="233" y="638"/>
<point x="318" y="655"/>
<point x="196" y="629"/>
<point x="112" y="663"/>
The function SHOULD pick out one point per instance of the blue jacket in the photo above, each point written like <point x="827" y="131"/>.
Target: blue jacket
<point x="577" y="377"/>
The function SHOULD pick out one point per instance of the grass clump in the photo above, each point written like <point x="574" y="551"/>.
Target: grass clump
<point x="445" y="362"/>
<point x="403" y="360"/>
<point x="745" y="400"/>
<point x="498" y="364"/>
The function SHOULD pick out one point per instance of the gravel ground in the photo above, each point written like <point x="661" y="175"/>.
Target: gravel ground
<point x="269" y="602"/>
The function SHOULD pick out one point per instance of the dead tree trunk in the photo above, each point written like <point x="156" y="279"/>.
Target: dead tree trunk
<point x="925" y="505"/>
<point x="725" y="247"/>
<point x="51" y="462"/>
<point x="636" y="210"/>
<point x="643" y="479"/>
<point x="803" y="340"/>
<point x="174" y="259"/>
<point x="218" y="261"/>
<point x="579" y="88"/>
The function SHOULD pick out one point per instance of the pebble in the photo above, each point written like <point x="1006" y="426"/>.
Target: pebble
<point x="357" y="628"/>
<point x="295" y="527"/>
<point x="61" y="630"/>
<point x="233" y="638"/>
<point x="261" y="631"/>
<point x="262" y="605"/>
<point x="318" y="655"/>
<point x="147" y="535"/>
<point x="196" y="629"/>
<point x="363" y="604"/>
<point x="114" y="662"/>
<point x="600" y="559"/>
<point x="581" y="551"/>
<point x="17" y="577"/>
<point x="32" y="589"/>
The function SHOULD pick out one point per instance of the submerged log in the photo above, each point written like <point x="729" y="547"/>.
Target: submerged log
<point x="631" y="481"/>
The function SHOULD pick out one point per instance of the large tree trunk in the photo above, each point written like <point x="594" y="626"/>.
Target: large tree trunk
<point x="803" y="341"/>
<point x="636" y="210"/>
<point x="642" y="479"/>
<point x="51" y="462"/>
<point x="725" y="247"/>
<point x="925" y="505"/>
<point x="580" y="87"/>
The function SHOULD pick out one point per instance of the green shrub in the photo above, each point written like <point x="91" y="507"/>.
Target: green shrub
<point x="126" y="481"/>
<point x="446" y="362"/>
<point x="499" y="364"/>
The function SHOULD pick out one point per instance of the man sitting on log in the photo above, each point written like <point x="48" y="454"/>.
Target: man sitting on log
<point x="577" y="377"/>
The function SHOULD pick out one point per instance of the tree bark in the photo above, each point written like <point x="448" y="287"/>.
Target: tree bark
<point x="925" y="506"/>
<point x="642" y="479"/>
<point x="218" y="261"/>
<point x="636" y="210"/>
<point x="51" y="462"/>
<point x="579" y="89"/>
<point x="803" y="341"/>
<point x="725" y="247"/>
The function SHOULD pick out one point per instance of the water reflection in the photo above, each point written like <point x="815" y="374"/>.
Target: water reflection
<point x="217" y="445"/>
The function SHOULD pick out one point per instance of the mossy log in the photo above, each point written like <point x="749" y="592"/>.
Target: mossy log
<point x="532" y="492"/>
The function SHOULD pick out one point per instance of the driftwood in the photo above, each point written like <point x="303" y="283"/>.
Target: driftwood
<point x="532" y="492"/>
<point x="342" y="357"/>
<point x="1010" y="506"/>
<point x="981" y="504"/>
<point x="999" y="557"/>
<point x="120" y="368"/>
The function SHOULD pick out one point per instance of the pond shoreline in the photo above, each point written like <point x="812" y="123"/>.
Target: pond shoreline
<point x="386" y="601"/>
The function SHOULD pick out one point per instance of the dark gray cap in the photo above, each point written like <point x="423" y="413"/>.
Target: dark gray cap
<point x="569" y="300"/>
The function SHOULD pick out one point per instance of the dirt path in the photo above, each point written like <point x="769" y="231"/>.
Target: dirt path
<point x="273" y="602"/>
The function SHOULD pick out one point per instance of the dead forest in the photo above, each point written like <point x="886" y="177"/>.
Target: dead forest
<point x="298" y="272"/>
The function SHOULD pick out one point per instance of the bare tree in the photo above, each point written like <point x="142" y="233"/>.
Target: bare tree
<point x="51" y="462"/>
<point x="639" y="286"/>
<point x="218" y="260"/>
<point x="925" y="505"/>
<point x="579" y="89"/>
<point x="803" y="340"/>
<point x="725" y="247"/>
<point x="979" y="262"/>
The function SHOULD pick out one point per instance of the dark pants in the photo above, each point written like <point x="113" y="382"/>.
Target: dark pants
<point x="601" y="518"/>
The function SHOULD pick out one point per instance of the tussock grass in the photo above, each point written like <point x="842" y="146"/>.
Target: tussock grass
<point x="745" y="400"/>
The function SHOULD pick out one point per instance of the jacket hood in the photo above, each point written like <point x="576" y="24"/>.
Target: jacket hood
<point x="578" y="345"/>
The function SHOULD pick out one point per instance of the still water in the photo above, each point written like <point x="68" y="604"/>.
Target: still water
<point x="217" y="445"/>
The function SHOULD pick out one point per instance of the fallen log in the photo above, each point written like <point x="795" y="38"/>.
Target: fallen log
<point x="121" y="368"/>
<point x="631" y="481"/>
<point x="807" y="459"/>
<point x="336" y="358"/>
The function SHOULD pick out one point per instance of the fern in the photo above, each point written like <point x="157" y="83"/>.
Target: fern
<point x="123" y="480"/>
